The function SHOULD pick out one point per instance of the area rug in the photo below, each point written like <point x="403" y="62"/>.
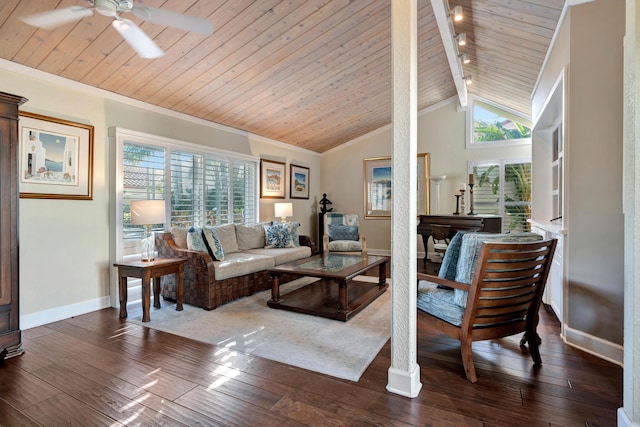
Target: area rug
<point x="248" y="325"/>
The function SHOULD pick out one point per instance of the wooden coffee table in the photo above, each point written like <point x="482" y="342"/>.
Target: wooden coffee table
<point x="323" y="297"/>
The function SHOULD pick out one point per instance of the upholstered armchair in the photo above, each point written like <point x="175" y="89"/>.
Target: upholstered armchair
<point x="342" y="234"/>
<point x="489" y="286"/>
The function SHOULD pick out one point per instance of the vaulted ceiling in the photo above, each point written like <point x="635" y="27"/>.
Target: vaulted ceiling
<point x="314" y="73"/>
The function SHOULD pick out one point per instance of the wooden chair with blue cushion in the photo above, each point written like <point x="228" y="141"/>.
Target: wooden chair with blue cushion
<point x="489" y="286"/>
<point x="342" y="234"/>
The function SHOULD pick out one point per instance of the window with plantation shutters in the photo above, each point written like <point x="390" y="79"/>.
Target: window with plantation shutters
<point x="201" y="186"/>
<point x="143" y="178"/>
<point x="503" y="187"/>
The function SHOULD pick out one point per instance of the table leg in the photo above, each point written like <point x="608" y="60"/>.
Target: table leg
<point x="156" y="292"/>
<point x="425" y="243"/>
<point x="275" y="288"/>
<point x="343" y="304"/>
<point x="382" y="274"/>
<point x="180" y="290"/>
<point x="123" y="297"/>
<point x="146" y="296"/>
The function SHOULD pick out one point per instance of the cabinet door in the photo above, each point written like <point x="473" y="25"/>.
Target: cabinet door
<point x="6" y="218"/>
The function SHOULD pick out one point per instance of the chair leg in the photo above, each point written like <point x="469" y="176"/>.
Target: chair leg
<point x="467" y="360"/>
<point x="534" y="347"/>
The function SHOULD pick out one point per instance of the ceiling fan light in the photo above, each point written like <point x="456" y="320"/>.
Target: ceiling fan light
<point x="462" y="39"/>
<point x="457" y="13"/>
<point x="106" y="7"/>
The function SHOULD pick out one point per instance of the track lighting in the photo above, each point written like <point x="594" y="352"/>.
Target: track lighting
<point x="464" y="57"/>
<point x="461" y="39"/>
<point x="467" y="79"/>
<point x="457" y="13"/>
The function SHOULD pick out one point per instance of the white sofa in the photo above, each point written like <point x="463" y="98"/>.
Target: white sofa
<point x="209" y="283"/>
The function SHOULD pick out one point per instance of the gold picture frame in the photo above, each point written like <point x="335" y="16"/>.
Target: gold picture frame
<point x="378" y="182"/>
<point x="272" y="179"/>
<point x="55" y="158"/>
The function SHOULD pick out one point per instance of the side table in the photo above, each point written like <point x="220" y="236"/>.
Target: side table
<point x="147" y="270"/>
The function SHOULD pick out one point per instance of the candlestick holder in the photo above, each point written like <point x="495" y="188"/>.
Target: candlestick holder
<point x="462" y="201"/>
<point x="457" y="212"/>
<point x="471" y="212"/>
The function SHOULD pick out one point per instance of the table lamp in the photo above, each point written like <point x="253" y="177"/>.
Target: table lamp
<point x="283" y="210"/>
<point x="148" y="213"/>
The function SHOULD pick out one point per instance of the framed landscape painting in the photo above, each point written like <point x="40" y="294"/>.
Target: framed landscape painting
<point x="272" y="179"/>
<point x="377" y="187"/>
<point x="55" y="158"/>
<point x="299" y="178"/>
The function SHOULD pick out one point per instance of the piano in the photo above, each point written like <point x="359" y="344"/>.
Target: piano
<point x="486" y="223"/>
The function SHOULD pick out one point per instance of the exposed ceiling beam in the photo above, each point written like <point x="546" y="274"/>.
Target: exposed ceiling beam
<point x="441" y="13"/>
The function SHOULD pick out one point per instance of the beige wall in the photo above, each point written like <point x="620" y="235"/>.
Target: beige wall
<point x="441" y="133"/>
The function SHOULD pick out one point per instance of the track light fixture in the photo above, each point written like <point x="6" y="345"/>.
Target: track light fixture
<point x="464" y="57"/>
<point x="456" y="13"/>
<point x="461" y="39"/>
<point x="467" y="79"/>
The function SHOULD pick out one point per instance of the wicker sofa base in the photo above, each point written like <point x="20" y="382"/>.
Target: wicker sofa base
<point x="221" y="291"/>
<point x="200" y="287"/>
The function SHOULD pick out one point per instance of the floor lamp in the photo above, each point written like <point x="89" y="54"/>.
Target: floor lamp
<point x="437" y="180"/>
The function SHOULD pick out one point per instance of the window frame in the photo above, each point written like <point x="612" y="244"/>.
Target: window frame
<point x="471" y="144"/>
<point x="120" y="136"/>
<point x="502" y="163"/>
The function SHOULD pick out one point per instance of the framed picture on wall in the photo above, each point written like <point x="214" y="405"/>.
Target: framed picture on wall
<point x="55" y="158"/>
<point x="378" y="180"/>
<point x="272" y="179"/>
<point x="377" y="187"/>
<point x="299" y="179"/>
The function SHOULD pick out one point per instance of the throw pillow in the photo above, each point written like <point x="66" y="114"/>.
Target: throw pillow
<point x="250" y="236"/>
<point x="195" y="242"/>
<point x="343" y="232"/>
<point x="278" y="235"/>
<point x="227" y="236"/>
<point x="293" y="229"/>
<point x="450" y="260"/>
<point x="214" y="247"/>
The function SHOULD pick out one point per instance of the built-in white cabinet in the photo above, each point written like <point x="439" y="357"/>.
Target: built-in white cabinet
<point x="554" y="290"/>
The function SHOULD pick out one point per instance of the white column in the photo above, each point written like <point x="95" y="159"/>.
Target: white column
<point x="629" y="414"/>
<point x="404" y="372"/>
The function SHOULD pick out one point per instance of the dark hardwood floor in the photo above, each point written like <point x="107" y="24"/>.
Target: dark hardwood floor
<point x="97" y="369"/>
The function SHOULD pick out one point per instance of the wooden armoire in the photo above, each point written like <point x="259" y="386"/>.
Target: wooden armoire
<point x="10" y="335"/>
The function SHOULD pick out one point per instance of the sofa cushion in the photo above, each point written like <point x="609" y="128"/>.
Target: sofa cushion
<point x="470" y="251"/>
<point x="227" y="236"/>
<point x="439" y="302"/>
<point x="282" y="255"/>
<point x="180" y="236"/>
<point x="212" y="241"/>
<point x="278" y="235"/>
<point x="195" y="240"/>
<point x="240" y="263"/>
<point x="345" y="246"/>
<point x="250" y="236"/>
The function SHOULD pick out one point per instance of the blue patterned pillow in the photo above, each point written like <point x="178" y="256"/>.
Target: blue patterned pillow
<point x="195" y="242"/>
<point x="343" y="232"/>
<point x="278" y="235"/>
<point x="212" y="240"/>
<point x="293" y="230"/>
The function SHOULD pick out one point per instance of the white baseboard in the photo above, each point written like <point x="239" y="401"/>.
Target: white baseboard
<point x="40" y="318"/>
<point x="404" y="383"/>
<point x="624" y="420"/>
<point x="603" y="349"/>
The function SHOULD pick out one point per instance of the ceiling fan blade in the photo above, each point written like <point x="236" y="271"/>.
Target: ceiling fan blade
<point x="173" y="19"/>
<point x="138" y="40"/>
<point x="57" y="17"/>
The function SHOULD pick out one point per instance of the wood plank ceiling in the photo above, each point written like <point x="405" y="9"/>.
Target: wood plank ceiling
<point x="314" y="74"/>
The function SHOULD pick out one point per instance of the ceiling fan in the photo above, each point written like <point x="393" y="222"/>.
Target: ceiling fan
<point x="139" y="41"/>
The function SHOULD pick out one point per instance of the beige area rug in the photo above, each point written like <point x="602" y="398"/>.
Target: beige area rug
<point x="248" y="325"/>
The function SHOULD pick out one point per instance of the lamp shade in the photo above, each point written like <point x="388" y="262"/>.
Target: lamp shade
<point x="283" y="210"/>
<point x="146" y="212"/>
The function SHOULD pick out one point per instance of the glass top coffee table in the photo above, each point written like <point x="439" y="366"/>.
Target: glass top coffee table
<point x="335" y="295"/>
